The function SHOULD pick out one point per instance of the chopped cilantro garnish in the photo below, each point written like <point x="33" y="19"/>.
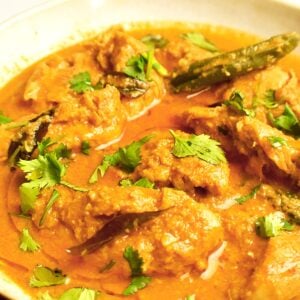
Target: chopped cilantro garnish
<point x="80" y="294"/>
<point x="137" y="283"/>
<point x="44" y="276"/>
<point x="134" y="260"/>
<point x="82" y="82"/>
<point x="269" y="100"/>
<point x="235" y="102"/>
<point x="154" y="40"/>
<point x="143" y="182"/>
<point x="272" y="224"/>
<point x="27" y="243"/>
<point x="287" y="122"/>
<point x="137" y="65"/>
<point x="190" y="297"/>
<point x="4" y="119"/>
<point x="85" y="147"/>
<point x="201" y="146"/>
<point x="42" y="172"/>
<point x="127" y="158"/>
<point x="138" y="280"/>
<point x="253" y="192"/>
<point x="53" y="198"/>
<point x="199" y="40"/>
<point x="276" y="141"/>
<point x="108" y="266"/>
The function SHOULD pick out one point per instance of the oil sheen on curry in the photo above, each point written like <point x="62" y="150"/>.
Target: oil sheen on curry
<point x="154" y="163"/>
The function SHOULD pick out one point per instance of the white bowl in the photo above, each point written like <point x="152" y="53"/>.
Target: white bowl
<point x="35" y="33"/>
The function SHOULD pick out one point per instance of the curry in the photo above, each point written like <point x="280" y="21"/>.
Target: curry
<point x="127" y="173"/>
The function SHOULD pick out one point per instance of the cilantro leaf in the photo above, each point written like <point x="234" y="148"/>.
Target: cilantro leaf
<point x="80" y="294"/>
<point x="45" y="296"/>
<point x="134" y="260"/>
<point x="201" y="146"/>
<point x="135" y="67"/>
<point x="53" y="198"/>
<point x="4" y="119"/>
<point x="154" y="41"/>
<point x="85" y="147"/>
<point x="253" y="192"/>
<point x="82" y="82"/>
<point x="28" y="195"/>
<point x="235" y="102"/>
<point x="276" y="141"/>
<point x="272" y="224"/>
<point x="44" y="276"/>
<point x="199" y="40"/>
<point x="138" y="280"/>
<point x="127" y="158"/>
<point x="137" y="283"/>
<point x="287" y="122"/>
<point x="190" y="297"/>
<point x="143" y="182"/>
<point x="44" y="171"/>
<point x="27" y="243"/>
<point x="44" y="144"/>
<point x="269" y="99"/>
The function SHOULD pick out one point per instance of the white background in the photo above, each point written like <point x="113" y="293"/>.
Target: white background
<point x="9" y="8"/>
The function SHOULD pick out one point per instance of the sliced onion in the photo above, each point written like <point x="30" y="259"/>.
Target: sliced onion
<point x="213" y="262"/>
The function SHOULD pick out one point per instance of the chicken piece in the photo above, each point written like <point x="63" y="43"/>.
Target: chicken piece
<point x="160" y="166"/>
<point x="250" y="137"/>
<point x="255" y="84"/>
<point x="284" y="200"/>
<point x="178" y="241"/>
<point x="115" y="49"/>
<point x="49" y="83"/>
<point x="290" y="93"/>
<point x="278" y="275"/>
<point x="96" y="116"/>
<point x="181" y="53"/>
<point x="84" y="214"/>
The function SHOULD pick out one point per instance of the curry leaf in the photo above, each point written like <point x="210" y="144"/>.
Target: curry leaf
<point x="127" y="158"/>
<point x="79" y="294"/>
<point x="201" y="146"/>
<point x="272" y="224"/>
<point x="27" y="243"/>
<point x="235" y="102"/>
<point x="154" y="40"/>
<point x="199" y="40"/>
<point x="253" y="192"/>
<point x="137" y="283"/>
<point x="53" y="198"/>
<point x="44" y="276"/>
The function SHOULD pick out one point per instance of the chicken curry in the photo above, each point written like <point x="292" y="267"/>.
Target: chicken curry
<point x="154" y="163"/>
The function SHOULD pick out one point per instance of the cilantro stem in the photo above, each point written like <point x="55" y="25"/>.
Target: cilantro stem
<point x="73" y="187"/>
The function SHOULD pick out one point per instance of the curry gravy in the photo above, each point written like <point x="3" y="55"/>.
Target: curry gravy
<point x="244" y="249"/>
